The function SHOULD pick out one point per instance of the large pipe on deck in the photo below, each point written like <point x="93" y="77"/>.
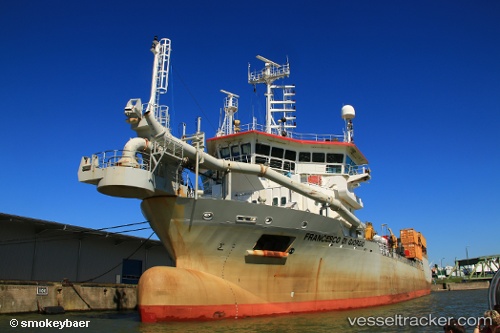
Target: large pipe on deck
<point x="210" y="162"/>
<point x="131" y="147"/>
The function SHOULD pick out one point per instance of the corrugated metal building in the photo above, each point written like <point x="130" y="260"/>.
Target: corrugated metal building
<point x="38" y="250"/>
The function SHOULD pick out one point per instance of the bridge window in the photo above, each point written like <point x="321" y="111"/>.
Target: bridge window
<point x="334" y="158"/>
<point x="350" y="165"/>
<point x="318" y="157"/>
<point x="276" y="164"/>
<point x="246" y="149"/>
<point x="304" y="156"/>
<point x="235" y="152"/>
<point x="277" y="152"/>
<point x="262" y="149"/>
<point x="246" y="152"/>
<point x="224" y="152"/>
<point x="290" y="155"/>
<point x="261" y="160"/>
<point x="288" y="166"/>
<point x="333" y="168"/>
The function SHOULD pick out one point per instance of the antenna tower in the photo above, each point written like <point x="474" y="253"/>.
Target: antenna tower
<point x="272" y="72"/>
<point x="230" y="125"/>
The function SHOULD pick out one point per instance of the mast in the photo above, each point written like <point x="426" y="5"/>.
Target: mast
<point x="271" y="72"/>
<point x="159" y="85"/>
<point x="229" y="125"/>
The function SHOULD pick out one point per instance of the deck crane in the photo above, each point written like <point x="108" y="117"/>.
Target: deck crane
<point x="393" y="240"/>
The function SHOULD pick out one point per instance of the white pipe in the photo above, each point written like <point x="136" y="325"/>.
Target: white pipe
<point x="260" y="170"/>
<point x="155" y="48"/>
<point x="131" y="147"/>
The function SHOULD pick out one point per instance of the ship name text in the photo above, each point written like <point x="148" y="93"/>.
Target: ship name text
<point x="333" y="239"/>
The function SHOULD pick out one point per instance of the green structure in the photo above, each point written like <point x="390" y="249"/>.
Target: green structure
<point x="480" y="268"/>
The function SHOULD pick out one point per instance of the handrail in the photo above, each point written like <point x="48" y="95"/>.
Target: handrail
<point x="294" y="135"/>
<point x="273" y="71"/>
<point x="111" y="158"/>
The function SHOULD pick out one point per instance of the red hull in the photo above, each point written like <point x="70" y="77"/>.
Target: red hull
<point x="156" y="313"/>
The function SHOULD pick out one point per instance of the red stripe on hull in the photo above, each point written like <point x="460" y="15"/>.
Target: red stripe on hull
<point x="156" y="313"/>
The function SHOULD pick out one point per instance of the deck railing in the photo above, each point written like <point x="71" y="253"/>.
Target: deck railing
<point x="293" y="135"/>
<point x="111" y="158"/>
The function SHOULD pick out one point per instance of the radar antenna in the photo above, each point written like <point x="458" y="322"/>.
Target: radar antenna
<point x="348" y="115"/>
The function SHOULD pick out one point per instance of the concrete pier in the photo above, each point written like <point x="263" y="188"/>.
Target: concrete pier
<point x="24" y="296"/>
<point x="460" y="286"/>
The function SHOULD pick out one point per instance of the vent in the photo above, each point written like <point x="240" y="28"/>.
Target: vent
<point x="246" y="219"/>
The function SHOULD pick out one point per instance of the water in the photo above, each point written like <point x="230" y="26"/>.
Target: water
<point x="467" y="303"/>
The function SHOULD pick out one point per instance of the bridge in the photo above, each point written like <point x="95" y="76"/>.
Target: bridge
<point x="480" y="268"/>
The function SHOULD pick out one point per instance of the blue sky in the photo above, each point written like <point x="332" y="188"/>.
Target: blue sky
<point x="423" y="76"/>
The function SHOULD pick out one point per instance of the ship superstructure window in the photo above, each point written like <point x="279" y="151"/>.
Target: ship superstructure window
<point x="276" y="164"/>
<point x="288" y="166"/>
<point x="274" y="243"/>
<point x="275" y="157"/>
<point x="304" y="156"/>
<point x="224" y="152"/>
<point x="283" y="201"/>
<point x="262" y="149"/>
<point x="277" y="152"/>
<point x="350" y="166"/>
<point x="290" y="155"/>
<point x="338" y="159"/>
<point x="261" y="160"/>
<point x="318" y="157"/>
<point x="334" y="158"/>
<point x="333" y="168"/>
<point x="246" y="152"/>
<point x="235" y="153"/>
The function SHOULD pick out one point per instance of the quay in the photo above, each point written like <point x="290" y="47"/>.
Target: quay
<point x="451" y="286"/>
<point x="28" y="296"/>
<point x="47" y="265"/>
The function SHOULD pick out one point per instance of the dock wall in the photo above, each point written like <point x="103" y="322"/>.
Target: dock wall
<point x="21" y="296"/>
<point x="460" y="286"/>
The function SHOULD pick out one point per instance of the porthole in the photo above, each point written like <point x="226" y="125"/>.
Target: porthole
<point x="304" y="224"/>
<point x="269" y="220"/>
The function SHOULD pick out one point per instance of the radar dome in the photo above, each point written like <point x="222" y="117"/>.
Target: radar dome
<point x="348" y="112"/>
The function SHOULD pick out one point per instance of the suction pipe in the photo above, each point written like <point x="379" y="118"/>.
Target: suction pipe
<point x="131" y="147"/>
<point x="210" y="162"/>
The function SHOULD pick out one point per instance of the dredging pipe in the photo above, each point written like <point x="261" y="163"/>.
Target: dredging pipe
<point x="159" y="133"/>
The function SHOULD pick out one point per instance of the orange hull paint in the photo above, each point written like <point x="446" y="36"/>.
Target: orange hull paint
<point x="156" y="313"/>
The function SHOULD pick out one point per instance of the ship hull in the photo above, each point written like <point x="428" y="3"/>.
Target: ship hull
<point x="219" y="275"/>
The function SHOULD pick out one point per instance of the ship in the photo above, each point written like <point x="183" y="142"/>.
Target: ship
<point x="259" y="219"/>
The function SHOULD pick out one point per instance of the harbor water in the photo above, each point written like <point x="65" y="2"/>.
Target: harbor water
<point x="419" y="315"/>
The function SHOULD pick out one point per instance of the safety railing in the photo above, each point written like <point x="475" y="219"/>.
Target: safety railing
<point x="112" y="158"/>
<point x="293" y="135"/>
<point x="274" y="71"/>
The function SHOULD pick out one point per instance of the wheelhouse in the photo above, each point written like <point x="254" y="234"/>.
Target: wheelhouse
<point x="288" y="154"/>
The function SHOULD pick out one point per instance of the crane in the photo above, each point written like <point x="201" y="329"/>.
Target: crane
<point x="393" y="240"/>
